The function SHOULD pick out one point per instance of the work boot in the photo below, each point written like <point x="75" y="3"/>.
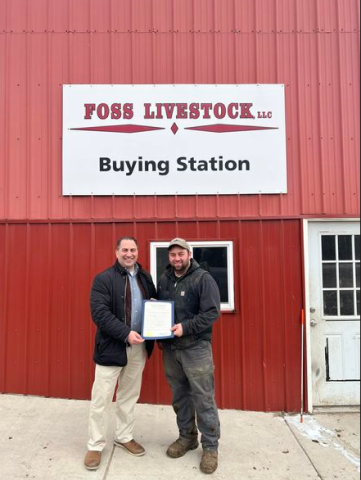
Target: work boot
<point x="133" y="448"/>
<point x="209" y="462"/>
<point x="92" y="460"/>
<point x="182" y="446"/>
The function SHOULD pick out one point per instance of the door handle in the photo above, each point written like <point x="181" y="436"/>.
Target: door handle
<point x="313" y="323"/>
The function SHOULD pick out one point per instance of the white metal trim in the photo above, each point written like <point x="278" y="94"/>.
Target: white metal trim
<point x="332" y="220"/>
<point x="339" y="317"/>
<point x="225" y="307"/>
<point x="306" y="252"/>
<point x="153" y="258"/>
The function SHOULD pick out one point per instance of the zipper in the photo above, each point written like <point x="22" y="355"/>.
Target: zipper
<point x="179" y="280"/>
<point x="182" y="278"/>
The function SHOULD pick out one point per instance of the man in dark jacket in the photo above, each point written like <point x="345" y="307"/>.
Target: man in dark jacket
<point x="188" y="359"/>
<point x="120" y="352"/>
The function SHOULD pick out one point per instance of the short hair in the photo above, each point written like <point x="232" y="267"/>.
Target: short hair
<point x="127" y="238"/>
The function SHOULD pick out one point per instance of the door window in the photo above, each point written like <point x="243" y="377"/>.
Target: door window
<point x="341" y="276"/>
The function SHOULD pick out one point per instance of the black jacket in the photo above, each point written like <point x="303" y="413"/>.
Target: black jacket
<point x="197" y="303"/>
<point x="108" y="309"/>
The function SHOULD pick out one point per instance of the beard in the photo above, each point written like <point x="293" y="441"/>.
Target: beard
<point x="182" y="268"/>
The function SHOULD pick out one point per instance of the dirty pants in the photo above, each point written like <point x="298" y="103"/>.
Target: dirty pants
<point x="190" y="374"/>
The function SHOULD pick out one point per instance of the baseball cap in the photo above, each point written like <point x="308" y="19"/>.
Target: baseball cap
<point x="179" y="242"/>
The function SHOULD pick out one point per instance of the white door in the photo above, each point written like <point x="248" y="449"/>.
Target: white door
<point x="334" y="268"/>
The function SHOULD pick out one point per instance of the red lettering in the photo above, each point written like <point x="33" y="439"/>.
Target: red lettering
<point x="246" y="110"/>
<point x="194" y="111"/>
<point x="182" y="111"/>
<point x="169" y="110"/>
<point x="128" y="112"/>
<point x="233" y="111"/>
<point x="116" y="111"/>
<point x="265" y="115"/>
<point x="220" y="111"/>
<point x="159" y="111"/>
<point x="207" y="107"/>
<point x="89" y="110"/>
<point x="148" y="114"/>
<point x="103" y="111"/>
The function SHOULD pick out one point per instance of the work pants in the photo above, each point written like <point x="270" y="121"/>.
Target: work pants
<point x="190" y="374"/>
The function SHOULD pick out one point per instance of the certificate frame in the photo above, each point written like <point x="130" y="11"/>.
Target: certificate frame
<point x="149" y="336"/>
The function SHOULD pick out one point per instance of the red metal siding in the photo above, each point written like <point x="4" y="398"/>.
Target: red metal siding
<point x="46" y="334"/>
<point x="46" y="268"/>
<point x="311" y="45"/>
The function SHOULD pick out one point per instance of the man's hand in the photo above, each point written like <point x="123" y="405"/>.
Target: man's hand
<point x="135" y="339"/>
<point x="178" y="330"/>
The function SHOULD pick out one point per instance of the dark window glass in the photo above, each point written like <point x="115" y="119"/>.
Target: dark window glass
<point x="358" y="303"/>
<point x="357" y="247"/>
<point x="162" y="261"/>
<point x="330" y="304"/>
<point x="347" y="303"/>
<point x="215" y="261"/>
<point x="346" y="275"/>
<point x="357" y="275"/>
<point x="329" y="248"/>
<point x="345" y="247"/>
<point x="329" y="275"/>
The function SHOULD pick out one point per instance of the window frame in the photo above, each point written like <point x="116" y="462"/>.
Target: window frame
<point x="337" y="261"/>
<point x="229" y="307"/>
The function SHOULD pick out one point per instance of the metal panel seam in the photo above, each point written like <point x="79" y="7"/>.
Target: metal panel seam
<point x="26" y="331"/>
<point x="285" y="338"/>
<point x="264" y="315"/>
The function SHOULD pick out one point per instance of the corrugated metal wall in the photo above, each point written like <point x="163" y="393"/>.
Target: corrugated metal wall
<point x="46" y="334"/>
<point x="52" y="246"/>
<point x="311" y="45"/>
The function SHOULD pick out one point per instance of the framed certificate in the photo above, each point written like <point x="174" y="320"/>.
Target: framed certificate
<point x="158" y="320"/>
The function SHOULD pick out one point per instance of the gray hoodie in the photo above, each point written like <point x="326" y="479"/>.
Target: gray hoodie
<point x="197" y="303"/>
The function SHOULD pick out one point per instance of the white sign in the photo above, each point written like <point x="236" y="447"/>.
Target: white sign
<point x="174" y="139"/>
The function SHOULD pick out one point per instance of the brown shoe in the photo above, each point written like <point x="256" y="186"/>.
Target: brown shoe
<point x="92" y="460"/>
<point x="209" y="462"/>
<point x="133" y="448"/>
<point x="182" y="446"/>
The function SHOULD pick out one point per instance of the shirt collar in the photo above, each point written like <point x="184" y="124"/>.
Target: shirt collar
<point x="135" y="272"/>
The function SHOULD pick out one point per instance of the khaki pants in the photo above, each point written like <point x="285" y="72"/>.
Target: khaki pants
<point x="129" y="380"/>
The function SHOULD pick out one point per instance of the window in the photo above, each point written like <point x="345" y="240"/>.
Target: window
<point x="341" y="276"/>
<point x="215" y="257"/>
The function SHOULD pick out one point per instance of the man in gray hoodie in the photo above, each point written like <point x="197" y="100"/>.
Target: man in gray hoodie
<point x="188" y="358"/>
